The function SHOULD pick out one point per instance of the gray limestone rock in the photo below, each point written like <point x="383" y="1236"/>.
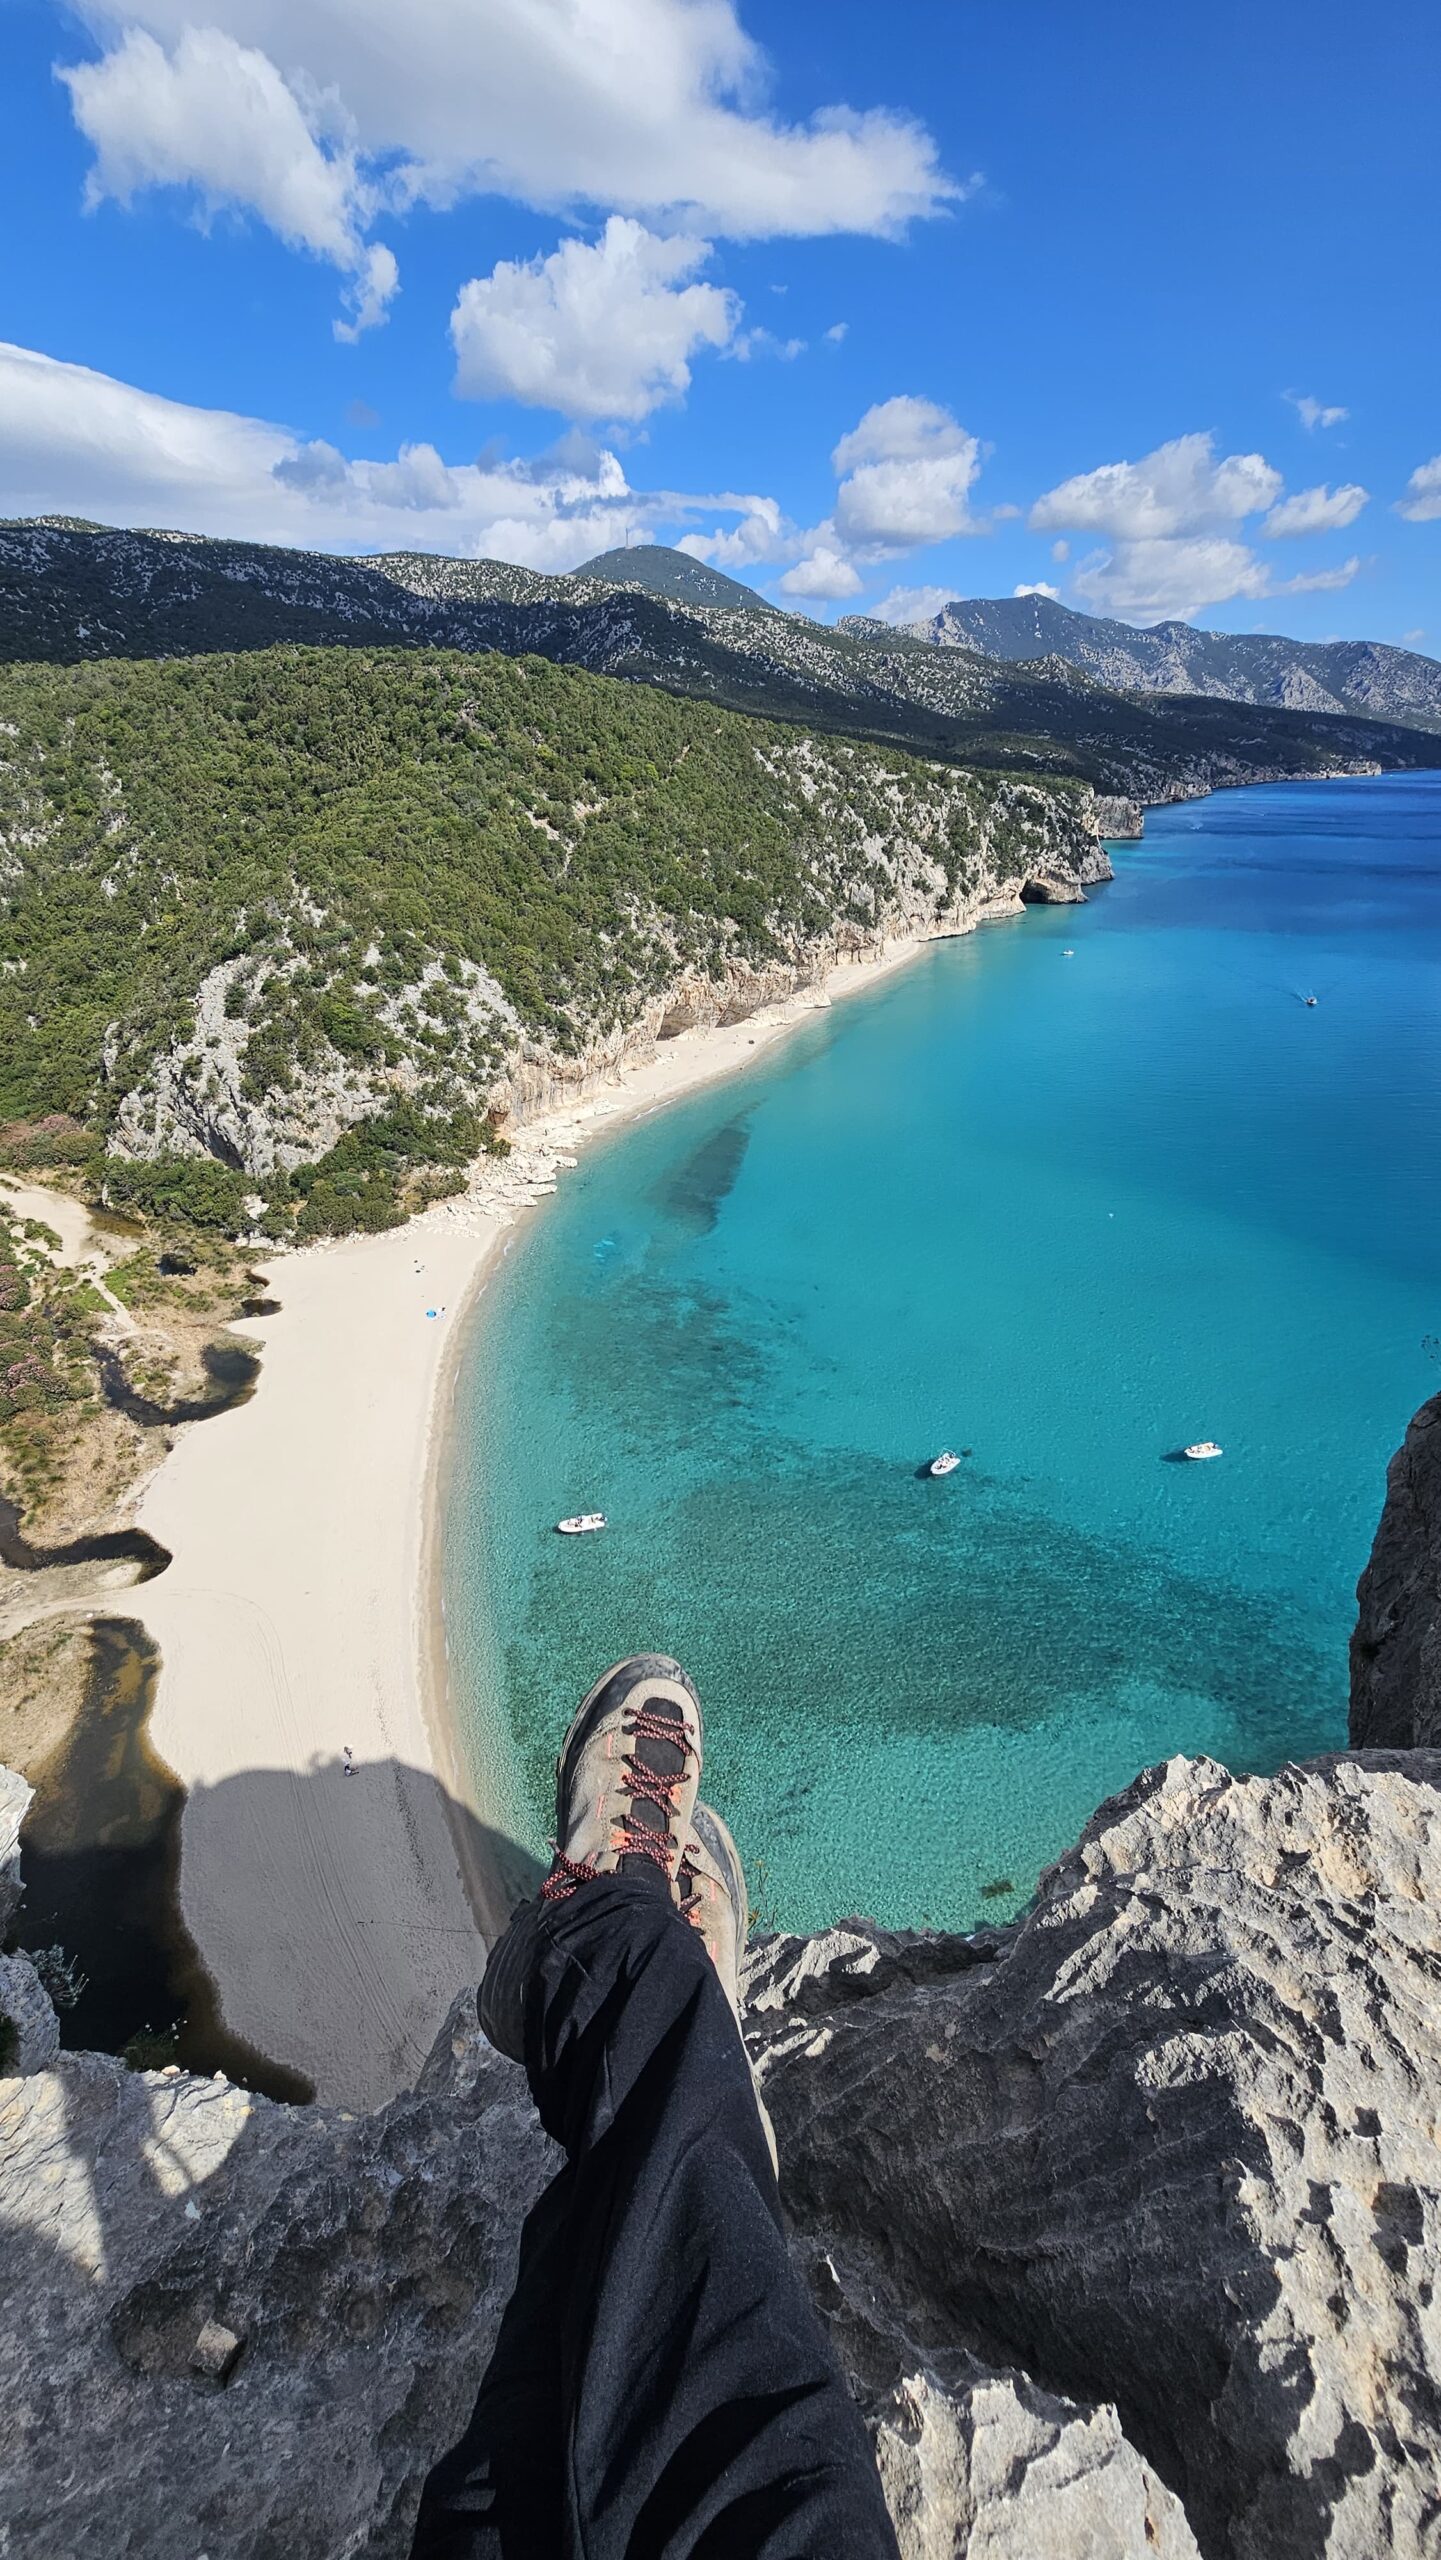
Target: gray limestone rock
<point x="1396" y="1649"/>
<point x="15" y="1798"/>
<point x="1172" y="2143"/>
<point x="1043" y="889"/>
<point x="29" y="2028"/>
<point x="359" y="2264"/>
<point x="978" y="2464"/>
<point x="994" y="2469"/>
<point x="1119" y="818"/>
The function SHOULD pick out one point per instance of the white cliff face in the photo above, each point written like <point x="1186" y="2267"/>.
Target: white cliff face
<point x="198" y="1099"/>
<point x="194" y="1101"/>
<point x="875" y="885"/>
<point x="915" y="854"/>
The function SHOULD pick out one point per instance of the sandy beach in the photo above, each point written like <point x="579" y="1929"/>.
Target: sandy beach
<point x="339" y="1913"/>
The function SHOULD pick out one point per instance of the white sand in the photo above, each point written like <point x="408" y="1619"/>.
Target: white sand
<point x="297" y="1617"/>
<point x="82" y="1246"/>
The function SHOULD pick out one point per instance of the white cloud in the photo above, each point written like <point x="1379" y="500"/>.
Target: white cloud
<point x="1181" y="488"/>
<point x="1174" y="579"/>
<point x="601" y="330"/>
<point x="1319" y="510"/>
<point x="75" y="442"/>
<point x="1169" y="577"/>
<point x="369" y="297"/>
<point x="1422" y="502"/>
<point x="1318" y="581"/>
<point x="417" y="481"/>
<point x="912" y="604"/>
<point x="1039" y="589"/>
<point x="1410" y="639"/>
<point x="764" y="342"/>
<point x="1060" y="551"/>
<point x="1314" y="413"/>
<point x="825" y="574"/>
<point x="906" y="474"/>
<point x="217" y="116"/>
<point x="836" y="333"/>
<point x="763" y="533"/>
<point x="1173" y="520"/>
<point x="639" y="106"/>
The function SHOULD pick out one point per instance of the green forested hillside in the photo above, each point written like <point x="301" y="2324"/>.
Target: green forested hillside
<point x="249" y="901"/>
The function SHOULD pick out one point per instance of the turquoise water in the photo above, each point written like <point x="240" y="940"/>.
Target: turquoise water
<point x="1064" y="1212"/>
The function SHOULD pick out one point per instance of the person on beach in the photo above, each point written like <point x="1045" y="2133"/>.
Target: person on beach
<point x="661" y="2388"/>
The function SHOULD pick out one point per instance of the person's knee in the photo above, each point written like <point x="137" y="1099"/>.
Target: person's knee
<point x="626" y="1922"/>
<point x="615" y="1928"/>
<point x="500" y="1999"/>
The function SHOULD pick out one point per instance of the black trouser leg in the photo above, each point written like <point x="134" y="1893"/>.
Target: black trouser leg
<point x="661" y="2388"/>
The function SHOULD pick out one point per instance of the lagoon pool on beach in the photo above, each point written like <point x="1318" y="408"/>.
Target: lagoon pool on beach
<point x="1066" y="1195"/>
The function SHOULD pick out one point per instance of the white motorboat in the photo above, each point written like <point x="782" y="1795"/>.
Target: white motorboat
<point x="946" y="1464"/>
<point x="1203" y="1449"/>
<point x="582" y="1520"/>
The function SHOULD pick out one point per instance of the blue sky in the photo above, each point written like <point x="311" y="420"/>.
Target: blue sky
<point x="871" y="306"/>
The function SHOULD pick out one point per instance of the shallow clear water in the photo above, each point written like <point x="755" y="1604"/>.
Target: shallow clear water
<point x="1064" y="1212"/>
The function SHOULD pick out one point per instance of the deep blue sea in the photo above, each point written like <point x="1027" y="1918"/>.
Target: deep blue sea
<point x="1065" y="1194"/>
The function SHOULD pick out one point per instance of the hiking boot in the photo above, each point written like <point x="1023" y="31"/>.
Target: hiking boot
<point x="626" y="1778"/>
<point x="712" y="1891"/>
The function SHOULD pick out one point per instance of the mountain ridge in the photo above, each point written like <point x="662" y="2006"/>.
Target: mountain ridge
<point x="1264" y="668"/>
<point x="67" y="596"/>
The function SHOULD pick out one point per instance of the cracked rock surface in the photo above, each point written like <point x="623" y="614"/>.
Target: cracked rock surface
<point x="241" y="2329"/>
<point x="1127" y="2219"/>
<point x="1172" y="2144"/>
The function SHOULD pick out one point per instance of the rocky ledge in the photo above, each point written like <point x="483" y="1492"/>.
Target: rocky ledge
<point x="1127" y="2217"/>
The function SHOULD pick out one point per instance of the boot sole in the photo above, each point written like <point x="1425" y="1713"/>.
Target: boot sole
<point x="717" y="1838"/>
<point x="643" y="1667"/>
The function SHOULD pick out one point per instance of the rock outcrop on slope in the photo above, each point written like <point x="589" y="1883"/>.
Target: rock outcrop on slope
<point x="1128" y="2219"/>
<point x="240" y="2329"/>
<point x="1396" y="1649"/>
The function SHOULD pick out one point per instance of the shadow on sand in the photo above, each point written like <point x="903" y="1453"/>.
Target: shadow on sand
<point x="101" y="1855"/>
